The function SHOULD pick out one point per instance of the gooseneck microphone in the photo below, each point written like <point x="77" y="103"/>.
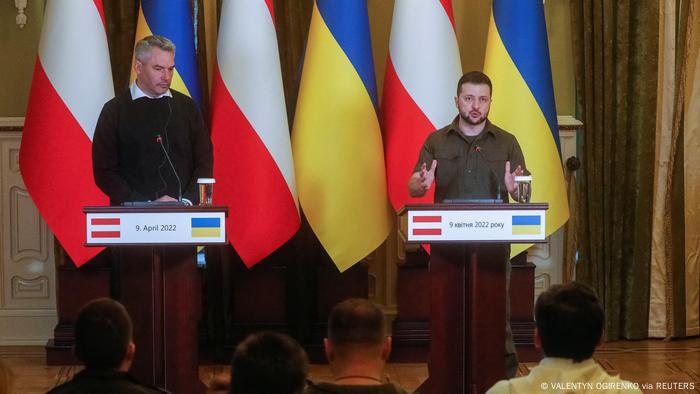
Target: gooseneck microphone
<point x="159" y="140"/>
<point x="477" y="149"/>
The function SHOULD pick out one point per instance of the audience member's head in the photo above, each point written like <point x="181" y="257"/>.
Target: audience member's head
<point x="268" y="363"/>
<point x="570" y="321"/>
<point x="356" y="329"/>
<point x="103" y="336"/>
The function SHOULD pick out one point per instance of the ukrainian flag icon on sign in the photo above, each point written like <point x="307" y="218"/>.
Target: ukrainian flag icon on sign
<point x="206" y="227"/>
<point x="526" y="224"/>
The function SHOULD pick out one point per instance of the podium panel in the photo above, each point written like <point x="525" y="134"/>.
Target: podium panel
<point x="469" y="253"/>
<point x="154" y="260"/>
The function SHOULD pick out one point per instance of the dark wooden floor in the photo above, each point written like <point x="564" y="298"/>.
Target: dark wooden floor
<point x="658" y="366"/>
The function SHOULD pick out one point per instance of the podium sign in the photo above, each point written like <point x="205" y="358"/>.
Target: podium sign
<point x="107" y="226"/>
<point x="503" y="225"/>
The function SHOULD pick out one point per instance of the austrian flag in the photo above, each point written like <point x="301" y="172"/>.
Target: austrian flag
<point x="250" y="119"/>
<point x="427" y="225"/>
<point x="72" y="80"/>
<point x="104" y="227"/>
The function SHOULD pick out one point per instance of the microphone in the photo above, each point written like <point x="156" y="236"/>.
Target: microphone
<point x="477" y="149"/>
<point x="159" y="140"/>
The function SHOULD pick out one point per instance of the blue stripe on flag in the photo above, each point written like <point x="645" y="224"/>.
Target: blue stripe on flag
<point x="349" y="23"/>
<point x="523" y="220"/>
<point x="206" y="222"/>
<point x="521" y="26"/>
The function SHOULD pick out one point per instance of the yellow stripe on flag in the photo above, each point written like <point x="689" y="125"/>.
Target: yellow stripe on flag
<point x="206" y="231"/>
<point x="522" y="230"/>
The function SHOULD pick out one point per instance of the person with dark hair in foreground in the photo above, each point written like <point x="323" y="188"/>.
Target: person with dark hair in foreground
<point x="268" y="363"/>
<point x="570" y="322"/>
<point x="357" y="350"/>
<point x="103" y="343"/>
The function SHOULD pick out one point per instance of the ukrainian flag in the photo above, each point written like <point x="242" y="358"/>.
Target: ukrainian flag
<point x="173" y="19"/>
<point x="525" y="224"/>
<point x="336" y="141"/>
<point x="517" y="61"/>
<point x="206" y="227"/>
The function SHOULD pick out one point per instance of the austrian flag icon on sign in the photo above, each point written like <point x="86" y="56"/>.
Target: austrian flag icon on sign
<point x="430" y="225"/>
<point x="105" y="227"/>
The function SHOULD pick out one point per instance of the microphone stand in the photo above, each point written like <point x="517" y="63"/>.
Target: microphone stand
<point x="498" y="198"/>
<point x="159" y="140"/>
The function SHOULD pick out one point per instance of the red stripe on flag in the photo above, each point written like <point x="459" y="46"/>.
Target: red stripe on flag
<point x="447" y="5"/>
<point x="56" y="160"/>
<point x="104" y="221"/>
<point x="100" y="10"/>
<point x="405" y="129"/>
<point x="263" y="213"/>
<point x="271" y="7"/>
<point x="427" y="219"/>
<point x="427" y="231"/>
<point x="105" y="234"/>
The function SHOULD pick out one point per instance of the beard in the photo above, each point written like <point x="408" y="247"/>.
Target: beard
<point x="465" y="117"/>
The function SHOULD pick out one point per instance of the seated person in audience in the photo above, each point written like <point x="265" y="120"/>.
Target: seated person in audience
<point x="103" y="343"/>
<point x="265" y="363"/>
<point x="570" y="322"/>
<point x="357" y="350"/>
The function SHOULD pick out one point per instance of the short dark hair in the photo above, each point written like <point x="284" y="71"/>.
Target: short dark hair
<point x="268" y="363"/>
<point x="476" y="78"/>
<point x="355" y="321"/>
<point x="103" y="332"/>
<point x="570" y="321"/>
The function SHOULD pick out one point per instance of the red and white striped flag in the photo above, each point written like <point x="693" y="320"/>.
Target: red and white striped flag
<point x="422" y="71"/>
<point x="253" y="163"/>
<point x="72" y="80"/>
<point x="105" y="227"/>
<point x="427" y="225"/>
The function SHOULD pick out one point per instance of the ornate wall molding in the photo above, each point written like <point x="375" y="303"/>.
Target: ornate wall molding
<point x="11" y="124"/>
<point x="21" y="17"/>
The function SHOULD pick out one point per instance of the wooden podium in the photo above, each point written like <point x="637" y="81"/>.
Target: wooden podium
<point x="154" y="249"/>
<point x="470" y="246"/>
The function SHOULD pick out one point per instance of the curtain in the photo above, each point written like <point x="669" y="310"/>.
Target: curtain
<point x="571" y="242"/>
<point x="615" y="45"/>
<point x="675" y="277"/>
<point x="120" y="20"/>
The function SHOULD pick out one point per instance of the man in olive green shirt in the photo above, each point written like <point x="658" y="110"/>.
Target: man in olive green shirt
<point x="468" y="160"/>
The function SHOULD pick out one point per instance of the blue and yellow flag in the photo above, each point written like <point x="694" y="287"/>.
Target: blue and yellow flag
<point x="517" y="61"/>
<point x="336" y="141"/>
<point x="173" y="19"/>
<point x="206" y="227"/>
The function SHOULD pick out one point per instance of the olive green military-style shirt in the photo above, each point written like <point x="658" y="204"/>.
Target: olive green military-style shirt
<point x="471" y="167"/>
